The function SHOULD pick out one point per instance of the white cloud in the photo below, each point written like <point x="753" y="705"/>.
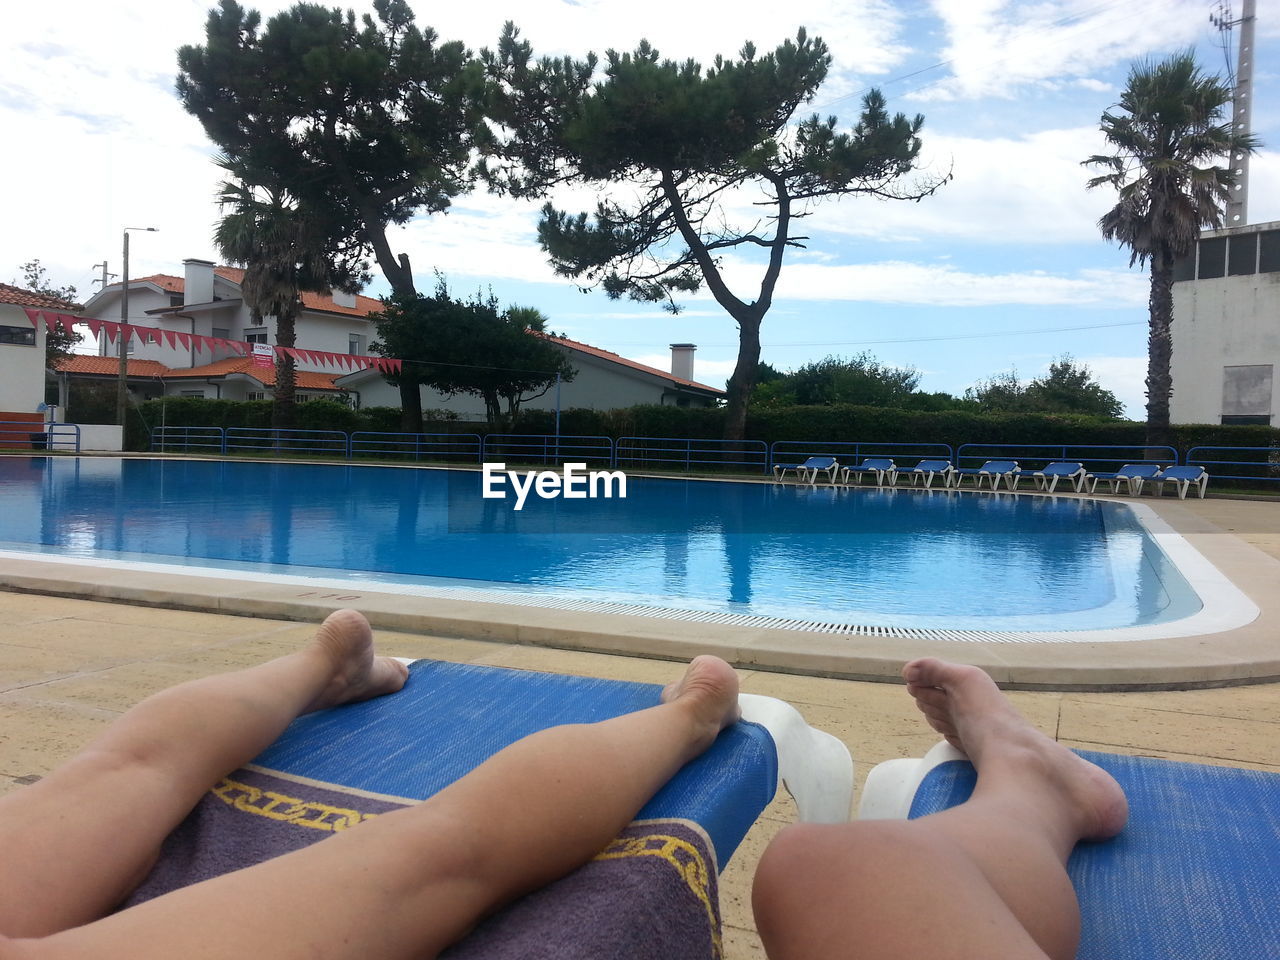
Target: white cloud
<point x="1123" y="376"/>
<point x="943" y="285"/>
<point x="997" y="46"/>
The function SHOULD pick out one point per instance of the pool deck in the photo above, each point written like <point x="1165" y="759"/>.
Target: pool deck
<point x="1241" y="538"/>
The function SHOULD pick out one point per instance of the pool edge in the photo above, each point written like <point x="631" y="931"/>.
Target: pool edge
<point x="1247" y="654"/>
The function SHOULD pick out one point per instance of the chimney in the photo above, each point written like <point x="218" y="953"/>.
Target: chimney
<point x="198" y="281"/>
<point x="343" y="299"/>
<point x="682" y="360"/>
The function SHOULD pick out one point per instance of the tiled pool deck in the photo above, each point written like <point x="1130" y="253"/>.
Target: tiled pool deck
<point x="69" y="665"/>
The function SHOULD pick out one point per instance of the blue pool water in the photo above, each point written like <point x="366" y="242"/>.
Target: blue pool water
<point x="857" y="556"/>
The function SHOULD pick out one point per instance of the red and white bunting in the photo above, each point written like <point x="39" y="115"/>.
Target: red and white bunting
<point x="33" y="315"/>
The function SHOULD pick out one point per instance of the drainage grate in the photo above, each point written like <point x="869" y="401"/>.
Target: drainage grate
<point x="478" y="594"/>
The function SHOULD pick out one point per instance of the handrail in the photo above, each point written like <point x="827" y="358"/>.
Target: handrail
<point x="287" y="439"/>
<point x="38" y="434"/>
<point x="1268" y="465"/>
<point x="188" y="437"/>
<point x="858" y="449"/>
<point x="376" y="443"/>
<point x="547" y="447"/>
<point x="668" y="450"/>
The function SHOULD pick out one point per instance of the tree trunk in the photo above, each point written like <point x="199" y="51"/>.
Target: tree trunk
<point x="744" y="378"/>
<point x="284" y="412"/>
<point x="1160" y="351"/>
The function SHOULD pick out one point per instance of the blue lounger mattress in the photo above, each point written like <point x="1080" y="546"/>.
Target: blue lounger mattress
<point x="333" y="769"/>
<point x="1194" y="875"/>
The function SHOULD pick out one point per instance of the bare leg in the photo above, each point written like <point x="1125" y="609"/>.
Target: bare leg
<point x="984" y="879"/>
<point x="78" y="841"/>
<point x="409" y="883"/>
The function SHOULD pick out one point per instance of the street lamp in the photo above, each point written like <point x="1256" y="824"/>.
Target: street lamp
<point x="122" y="388"/>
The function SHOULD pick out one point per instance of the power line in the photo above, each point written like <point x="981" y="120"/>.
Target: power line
<point x="958" y="336"/>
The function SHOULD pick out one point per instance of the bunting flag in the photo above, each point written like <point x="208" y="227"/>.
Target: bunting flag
<point x="33" y="315"/>
<point x="94" y="326"/>
<point x="172" y="338"/>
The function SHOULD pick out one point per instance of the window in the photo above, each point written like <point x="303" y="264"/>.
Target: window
<point x="1269" y="254"/>
<point x="355" y="345"/>
<point x="1246" y="391"/>
<point x="222" y="333"/>
<point x="1242" y="255"/>
<point x="191" y="393"/>
<point x="257" y="395"/>
<point x="1251" y="421"/>
<point x="21" y="336"/>
<point x="1213" y="258"/>
<point x="176" y="300"/>
<point x="255" y="334"/>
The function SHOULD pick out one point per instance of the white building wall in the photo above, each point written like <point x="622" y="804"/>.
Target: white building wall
<point x="1221" y="323"/>
<point x="314" y="331"/>
<point x="599" y="385"/>
<point x="21" y="365"/>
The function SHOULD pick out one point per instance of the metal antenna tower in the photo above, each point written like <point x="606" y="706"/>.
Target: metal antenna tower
<point x="1242" y="104"/>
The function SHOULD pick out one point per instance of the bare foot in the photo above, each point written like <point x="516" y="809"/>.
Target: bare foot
<point x="964" y="705"/>
<point x="346" y="639"/>
<point x="710" y="686"/>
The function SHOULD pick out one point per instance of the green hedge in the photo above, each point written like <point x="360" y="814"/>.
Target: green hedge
<point x="841" y="424"/>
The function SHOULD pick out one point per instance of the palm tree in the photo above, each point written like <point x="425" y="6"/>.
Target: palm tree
<point x="1167" y="130"/>
<point x="285" y="248"/>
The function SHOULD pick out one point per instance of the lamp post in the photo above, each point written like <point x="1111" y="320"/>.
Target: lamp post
<point x="122" y="384"/>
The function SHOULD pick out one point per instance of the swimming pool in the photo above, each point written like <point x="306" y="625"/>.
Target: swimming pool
<point x="833" y="558"/>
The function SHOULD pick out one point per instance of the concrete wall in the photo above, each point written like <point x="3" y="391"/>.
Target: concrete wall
<point x="21" y="365"/>
<point x="1226" y="343"/>
<point x="100" y="436"/>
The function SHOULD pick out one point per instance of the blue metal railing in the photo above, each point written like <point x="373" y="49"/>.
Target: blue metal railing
<point x="852" y="454"/>
<point x="433" y="446"/>
<point x="287" y="441"/>
<point x="1261" y="464"/>
<point x="1095" y="456"/>
<point x="36" y="435"/>
<point x="167" y="439"/>
<point x="1263" y="467"/>
<point x="546" y="448"/>
<point x="687" y="453"/>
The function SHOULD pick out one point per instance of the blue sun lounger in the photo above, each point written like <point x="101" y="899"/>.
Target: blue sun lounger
<point x="1047" y="479"/>
<point x="926" y="470"/>
<point x="993" y="471"/>
<point x="1131" y="476"/>
<point x="1194" y="874"/>
<point x="1182" y="478"/>
<point x="334" y="768"/>
<point x="808" y="471"/>
<point x="881" y="468"/>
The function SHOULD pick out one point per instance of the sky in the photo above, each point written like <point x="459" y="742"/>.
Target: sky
<point x="1003" y="268"/>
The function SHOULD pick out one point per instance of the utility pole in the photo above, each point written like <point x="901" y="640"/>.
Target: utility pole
<point x="105" y="279"/>
<point x="122" y="380"/>
<point x="1241" y="107"/>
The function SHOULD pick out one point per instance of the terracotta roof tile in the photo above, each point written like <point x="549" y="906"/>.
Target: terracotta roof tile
<point x="311" y="301"/>
<point x="618" y="358"/>
<point x="29" y="298"/>
<point x="109" y="366"/>
<point x="303" y="379"/>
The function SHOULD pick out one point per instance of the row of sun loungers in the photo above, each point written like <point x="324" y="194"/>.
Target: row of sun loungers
<point x="1130" y="478"/>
